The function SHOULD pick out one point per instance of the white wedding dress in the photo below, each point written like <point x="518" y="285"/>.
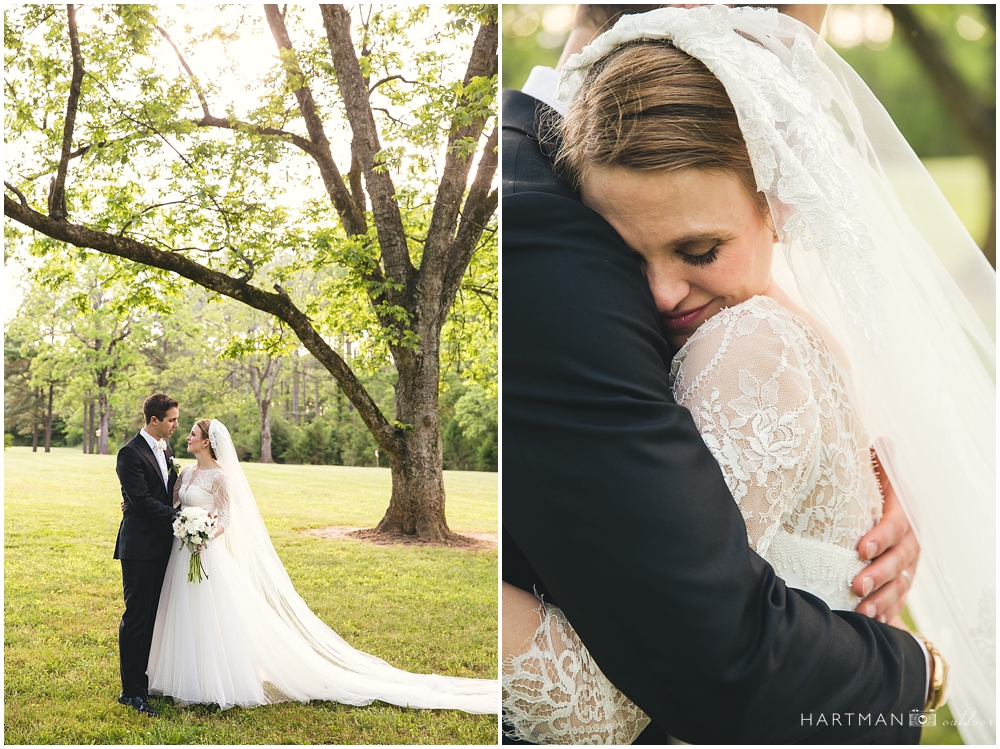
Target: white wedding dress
<point x="775" y="409"/>
<point x="220" y="641"/>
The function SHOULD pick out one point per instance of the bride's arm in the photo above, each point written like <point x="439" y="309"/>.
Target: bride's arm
<point x="221" y="491"/>
<point x="553" y="691"/>
<point x="520" y="620"/>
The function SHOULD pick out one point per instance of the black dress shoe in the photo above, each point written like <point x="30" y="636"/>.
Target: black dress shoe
<point x="138" y="704"/>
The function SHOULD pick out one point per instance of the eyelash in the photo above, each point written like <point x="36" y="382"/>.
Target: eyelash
<point x="699" y="260"/>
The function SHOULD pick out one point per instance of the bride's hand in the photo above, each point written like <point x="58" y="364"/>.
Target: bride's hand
<point x="894" y="549"/>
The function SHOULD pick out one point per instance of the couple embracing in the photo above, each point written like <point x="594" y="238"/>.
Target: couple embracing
<point x="749" y="363"/>
<point x="241" y="635"/>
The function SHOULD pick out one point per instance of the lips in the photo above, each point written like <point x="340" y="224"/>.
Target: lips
<point x="683" y="319"/>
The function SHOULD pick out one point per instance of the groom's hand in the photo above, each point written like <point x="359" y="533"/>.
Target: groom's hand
<point x="894" y="549"/>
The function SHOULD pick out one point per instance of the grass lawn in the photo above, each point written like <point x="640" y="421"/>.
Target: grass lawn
<point x="421" y="609"/>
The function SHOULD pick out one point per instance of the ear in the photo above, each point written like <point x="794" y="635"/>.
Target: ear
<point x="769" y="222"/>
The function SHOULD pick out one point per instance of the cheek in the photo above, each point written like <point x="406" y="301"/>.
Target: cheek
<point x="756" y="262"/>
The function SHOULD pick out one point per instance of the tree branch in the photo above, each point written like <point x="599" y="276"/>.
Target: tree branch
<point x="441" y="232"/>
<point x="194" y="80"/>
<point x="388" y="114"/>
<point x="57" y="195"/>
<point x="208" y="120"/>
<point x="479" y="206"/>
<point x="386" y="80"/>
<point x="354" y="91"/>
<point x="350" y="214"/>
<point x="354" y="178"/>
<point x="274" y="304"/>
<point x="20" y="195"/>
<point x="239" y="126"/>
<point x="136" y="217"/>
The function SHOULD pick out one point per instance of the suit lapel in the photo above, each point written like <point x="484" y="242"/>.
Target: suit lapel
<point x="147" y="453"/>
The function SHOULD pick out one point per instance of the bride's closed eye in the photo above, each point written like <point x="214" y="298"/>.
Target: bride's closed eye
<point x="698" y="260"/>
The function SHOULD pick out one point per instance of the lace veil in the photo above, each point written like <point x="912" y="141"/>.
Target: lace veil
<point x="879" y="257"/>
<point x="249" y="544"/>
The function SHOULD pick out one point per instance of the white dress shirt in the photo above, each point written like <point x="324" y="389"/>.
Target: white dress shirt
<point x="160" y="455"/>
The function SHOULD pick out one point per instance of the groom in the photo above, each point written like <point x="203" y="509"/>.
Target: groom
<point x="615" y="510"/>
<point x="146" y="473"/>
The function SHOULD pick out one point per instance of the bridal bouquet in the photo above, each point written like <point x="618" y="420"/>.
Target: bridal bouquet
<point x="195" y="528"/>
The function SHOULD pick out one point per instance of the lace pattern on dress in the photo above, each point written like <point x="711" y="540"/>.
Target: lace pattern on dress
<point x="776" y="413"/>
<point x="210" y="480"/>
<point x="554" y="693"/>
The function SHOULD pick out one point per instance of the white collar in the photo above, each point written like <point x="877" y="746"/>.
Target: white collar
<point x="150" y="439"/>
<point x="541" y="84"/>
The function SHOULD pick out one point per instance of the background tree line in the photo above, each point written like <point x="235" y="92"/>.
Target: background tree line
<point x="79" y="358"/>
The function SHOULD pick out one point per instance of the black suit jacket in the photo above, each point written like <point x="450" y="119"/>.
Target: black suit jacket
<point x="145" y="531"/>
<point x="614" y="507"/>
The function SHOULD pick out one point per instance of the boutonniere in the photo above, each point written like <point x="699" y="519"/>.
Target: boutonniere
<point x="174" y="466"/>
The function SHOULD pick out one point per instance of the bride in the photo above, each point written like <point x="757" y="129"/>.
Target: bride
<point x="863" y="348"/>
<point x="243" y="636"/>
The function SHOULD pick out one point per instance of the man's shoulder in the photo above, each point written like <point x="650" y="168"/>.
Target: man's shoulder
<point x="130" y="448"/>
<point x="519" y="111"/>
<point x="526" y="167"/>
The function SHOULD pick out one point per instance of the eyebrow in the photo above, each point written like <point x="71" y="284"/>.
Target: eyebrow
<point x="697" y="238"/>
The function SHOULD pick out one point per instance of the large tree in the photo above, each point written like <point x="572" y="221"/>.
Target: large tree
<point x="129" y="142"/>
<point x="973" y="111"/>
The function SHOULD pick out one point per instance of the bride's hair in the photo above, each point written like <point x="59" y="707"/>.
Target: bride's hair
<point x="203" y="426"/>
<point x="648" y="106"/>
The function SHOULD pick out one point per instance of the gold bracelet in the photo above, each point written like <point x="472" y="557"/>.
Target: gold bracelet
<point x="939" y="674"/>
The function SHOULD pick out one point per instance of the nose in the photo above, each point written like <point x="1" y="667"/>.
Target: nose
<point x="668" y="285"/>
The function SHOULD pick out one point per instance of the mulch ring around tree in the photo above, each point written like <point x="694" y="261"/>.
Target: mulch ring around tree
<point x="468" y="541"/>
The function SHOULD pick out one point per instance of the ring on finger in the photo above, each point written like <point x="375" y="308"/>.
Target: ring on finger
<point x="909" y="580"/>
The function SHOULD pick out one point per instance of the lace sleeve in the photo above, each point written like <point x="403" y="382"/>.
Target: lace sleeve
<point x="220" y="488"/>
<point x="745" y="381"/>
<point x="554" y="693"/>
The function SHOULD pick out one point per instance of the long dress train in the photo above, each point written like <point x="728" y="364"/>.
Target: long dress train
<point x="220" y="641"/>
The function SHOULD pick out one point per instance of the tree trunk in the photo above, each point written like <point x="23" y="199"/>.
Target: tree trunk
<point x="417" y="502"/>
<point x="36" y="397"/>
<point x="265" y="431"/>
<point x="48" y="420"/>
<point x="104" y="417"/>
<point x="295" y="392"/>
<point x="91" y="436"/>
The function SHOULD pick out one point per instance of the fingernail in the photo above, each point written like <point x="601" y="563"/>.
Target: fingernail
<point x="883" y="619"/>
<point x="867" y="586"/>
<point x="870" y="610"/>
<point x="872" y="550"/>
